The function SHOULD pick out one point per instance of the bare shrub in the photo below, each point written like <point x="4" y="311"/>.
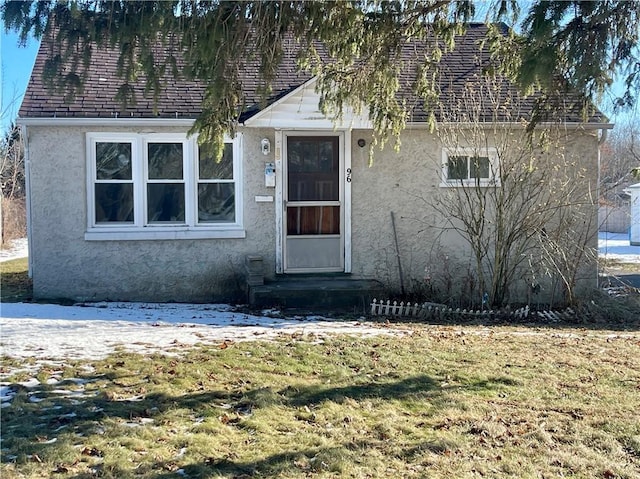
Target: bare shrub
<point x="14" y="219"/>
<point x="523" y="202"/>
<point x="604" y="308"/>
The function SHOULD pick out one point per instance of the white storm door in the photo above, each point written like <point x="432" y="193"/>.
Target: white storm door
<point x="313" y="197"/>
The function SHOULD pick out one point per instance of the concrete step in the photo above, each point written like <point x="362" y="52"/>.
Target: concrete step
<point x="316" y="293"/>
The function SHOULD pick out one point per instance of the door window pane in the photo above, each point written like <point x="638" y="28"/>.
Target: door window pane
<point x="216" y="202"/>
<point x="210" y="169"/>
<point x="114" y="202"/>
<point x="313" y="169"/>
<point x="113" y="161"/>
<point x="165" y="202"/>
<point x="164" y="161"/>
<point x="313" y="220"/>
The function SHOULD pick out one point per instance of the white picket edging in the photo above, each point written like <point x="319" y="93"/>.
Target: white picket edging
<point x="433" y="310"/>
<point x="439" y="311"/>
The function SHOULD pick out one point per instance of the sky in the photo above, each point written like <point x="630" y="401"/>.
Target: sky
<point x="17" y="64"/>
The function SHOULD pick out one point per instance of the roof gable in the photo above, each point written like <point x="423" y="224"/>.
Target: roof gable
<point x="300" y="109"/>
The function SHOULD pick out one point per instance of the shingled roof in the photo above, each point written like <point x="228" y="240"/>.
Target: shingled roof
<point x="460" y="70"/>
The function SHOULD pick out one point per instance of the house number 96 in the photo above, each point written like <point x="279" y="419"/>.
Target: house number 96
<point x="348" y="175"/>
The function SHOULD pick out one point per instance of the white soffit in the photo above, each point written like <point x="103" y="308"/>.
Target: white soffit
<point x="299" y="109"/>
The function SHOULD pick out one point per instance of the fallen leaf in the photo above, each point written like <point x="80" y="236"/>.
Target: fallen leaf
<point x="90" y="451"/>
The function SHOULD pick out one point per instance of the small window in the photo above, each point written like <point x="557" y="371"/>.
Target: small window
<point x="462" y="168"/>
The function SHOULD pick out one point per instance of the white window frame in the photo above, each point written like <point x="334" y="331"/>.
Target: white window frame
<point x="140" y="229"/>
<point x="186" y="155"/>
<point x="494" y="167"/>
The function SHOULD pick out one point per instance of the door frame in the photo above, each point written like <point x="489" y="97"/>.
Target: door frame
<point x="344" y="143"/>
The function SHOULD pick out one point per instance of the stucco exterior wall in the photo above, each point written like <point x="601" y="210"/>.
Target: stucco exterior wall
<point x="65" y="265"/>
<point x="405" y="183"/>
<point x="432" y="257"/>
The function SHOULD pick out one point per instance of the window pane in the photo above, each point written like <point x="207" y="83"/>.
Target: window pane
<point x="113" y="161"/>
<point x="313" y="220"/>
<point x="457" y="168"/>
<point x="165" y="202"/>
<point x="295" y="156"/>
<point x="480" y="167"/>
<point x="165" y="161"/>
<point x="313" y="169"/>
<point x="216" y="202"/>
<point x="211" y="169"/>
<point x="114" y="202"/>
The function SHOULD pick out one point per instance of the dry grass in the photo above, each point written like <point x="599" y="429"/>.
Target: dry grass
<point x="485" y="403"/>
<point x="613" y="267"/>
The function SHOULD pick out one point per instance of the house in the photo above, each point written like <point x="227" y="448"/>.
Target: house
<point x="634" y="229"/>
<point x="614" y="214"/>
<point x="123" y="205"/>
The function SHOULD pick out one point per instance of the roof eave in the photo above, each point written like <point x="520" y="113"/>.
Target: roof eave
<point x="188" y="122"/>
<point x="77" y="121"/>
<point x="569" y="124"/>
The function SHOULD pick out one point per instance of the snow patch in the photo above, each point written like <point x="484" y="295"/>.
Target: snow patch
<point x="18" y="249"/>
<point x="51" y="333"/>
<point x="617" y="246"/>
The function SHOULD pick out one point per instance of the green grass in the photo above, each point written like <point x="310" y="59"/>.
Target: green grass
<point x="15" y="284"/>
<point x="440" y="404"/>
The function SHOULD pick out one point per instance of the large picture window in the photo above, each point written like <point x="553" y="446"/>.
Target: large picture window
<point x="160" y="186"/>
<point x="466" y="167"/>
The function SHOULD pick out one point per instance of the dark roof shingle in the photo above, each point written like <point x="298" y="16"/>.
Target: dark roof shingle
<point x="459" y="72"/>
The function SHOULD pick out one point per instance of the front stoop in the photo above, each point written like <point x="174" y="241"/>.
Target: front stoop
<point x="316" y="293"/>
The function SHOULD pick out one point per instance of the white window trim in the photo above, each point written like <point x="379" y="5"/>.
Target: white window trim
<point x="187" y="177"/>
<point x="139" y="230"/>
<point x="494" y="169"/>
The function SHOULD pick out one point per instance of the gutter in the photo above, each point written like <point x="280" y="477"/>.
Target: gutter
<point x="603" y="138"/>
<point x="188" y="122"/>
<point x="516" y="125"/>
<point x="27" y="185"/>
<point x="113" y="122"/>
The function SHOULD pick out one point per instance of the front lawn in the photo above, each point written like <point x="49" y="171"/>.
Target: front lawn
<point x="15" y="284"/>
<point x="444" y="403"/>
